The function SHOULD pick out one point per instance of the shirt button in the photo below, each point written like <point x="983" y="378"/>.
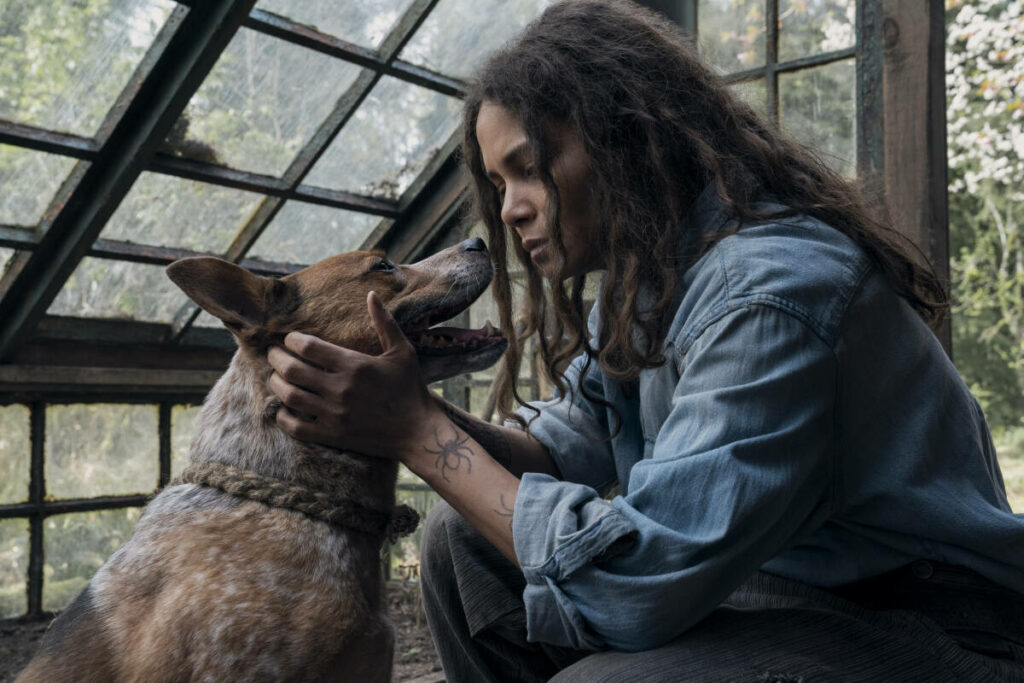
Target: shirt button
<point x="922" y="569"/>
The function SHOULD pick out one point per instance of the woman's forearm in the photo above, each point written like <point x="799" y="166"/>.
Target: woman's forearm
<point x="514" y="449"/>
<point x="462" y="471"/>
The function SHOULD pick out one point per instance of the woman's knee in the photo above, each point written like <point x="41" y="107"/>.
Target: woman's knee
<point x="435" y="542"/>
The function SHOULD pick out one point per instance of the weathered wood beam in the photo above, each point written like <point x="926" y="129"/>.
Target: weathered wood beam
<point x="54" y="378"/>
<point x="914" y="95"/>
<point x="59" y="352"/>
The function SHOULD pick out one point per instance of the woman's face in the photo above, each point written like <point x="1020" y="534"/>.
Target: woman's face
<point x="509" y="164"/>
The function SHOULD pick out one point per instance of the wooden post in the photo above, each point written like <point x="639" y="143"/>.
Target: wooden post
<point x="913" y="37"/>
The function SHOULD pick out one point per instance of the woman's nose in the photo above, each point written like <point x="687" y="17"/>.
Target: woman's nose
<point x="515" y="209"/>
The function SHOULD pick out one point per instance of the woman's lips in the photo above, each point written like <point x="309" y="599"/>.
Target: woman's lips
<point x="534" y="247"/>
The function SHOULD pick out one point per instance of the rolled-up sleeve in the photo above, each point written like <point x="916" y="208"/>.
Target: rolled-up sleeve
<point x="575" y="429"/>
<point x="740" y="469"/>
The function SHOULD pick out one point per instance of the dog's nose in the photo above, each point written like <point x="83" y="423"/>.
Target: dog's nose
<point x="474" y="244"/>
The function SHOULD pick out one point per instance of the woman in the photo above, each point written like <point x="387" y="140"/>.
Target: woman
<point x="807" y="490"/>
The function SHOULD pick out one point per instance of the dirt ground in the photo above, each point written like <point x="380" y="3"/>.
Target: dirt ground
<point x="415" y="658"/>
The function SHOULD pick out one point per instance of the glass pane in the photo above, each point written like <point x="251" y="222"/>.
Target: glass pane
<point x="207" y="320"/>
<point x="261" y="103"/>
<point x="76" y="545"/>
<point x="364" y="22"/>
<point x="64" y="63"/>
<point x="165" y="211"/>
<point x="810" y="27"/>
<point x="15" y="453"/>
<point x="459" y="34"/>
<point x="405" y="555"/>
<point x="478" y="400"/>
<point x="183" y="426"/>
<point x="28" y="181"/>
<point x="5" y="257"/>
<point x="753" y="93"/>
<point x="307" y="233"/>
<point x="818" y="107"/>
<point x="732" y="33"/>
<point x="102" y="288"/>
<point x="95" y="449"/>
<point x="13" y="567"/>
<point x="388" y="141"/>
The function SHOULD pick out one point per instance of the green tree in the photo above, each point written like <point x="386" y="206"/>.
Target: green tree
<point x="985" y="91"/>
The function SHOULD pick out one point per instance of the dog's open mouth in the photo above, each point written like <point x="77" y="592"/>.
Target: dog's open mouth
<point x="446" y="341"/>
<point x="446" y="351"/>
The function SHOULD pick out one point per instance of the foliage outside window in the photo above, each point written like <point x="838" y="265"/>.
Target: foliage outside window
<point x="816" y="102"/>
<point x="985" y="96"/>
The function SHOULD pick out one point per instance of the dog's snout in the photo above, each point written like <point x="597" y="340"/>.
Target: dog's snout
<point x="474" y="244"/>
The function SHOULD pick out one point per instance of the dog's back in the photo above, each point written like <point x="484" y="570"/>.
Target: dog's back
<point x="213" y="588"/>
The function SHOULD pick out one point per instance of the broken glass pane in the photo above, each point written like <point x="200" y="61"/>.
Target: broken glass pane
<point x="363" y="22"/>
<point x="818" y="107"/>
<point x="96" y="449"/>
<point x="261" y="103"/>
<point x="388" y="140"/>
<point x="15" y="453"/>
<point x="14" y="546"/>
<point x="28" y="181"/>
<point x="731" y="33"/>
<point x="63" y="64"/>
<point x="810" y="27"/>
<point x="76" y="545"/>
<point x="307" y="233"/>
<point x="103" y="288"/>
<point x="183" y="426"/>
<point x="459" y="34"/>
<point x="165" y="211"/>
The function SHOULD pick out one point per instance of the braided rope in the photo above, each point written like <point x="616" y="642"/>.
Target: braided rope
<point x="344" y="512"/>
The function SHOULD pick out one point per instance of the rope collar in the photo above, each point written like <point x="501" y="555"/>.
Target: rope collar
<point x="342" y="512"/>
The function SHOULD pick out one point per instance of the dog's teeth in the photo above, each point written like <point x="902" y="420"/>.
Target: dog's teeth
<point x="489" y="329"/>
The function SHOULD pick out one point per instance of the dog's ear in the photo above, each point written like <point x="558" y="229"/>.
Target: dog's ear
<point x="240" y="299"/>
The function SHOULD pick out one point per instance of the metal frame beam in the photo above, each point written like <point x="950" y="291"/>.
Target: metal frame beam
<point x="87" y="149"/>
<point x="189" y="55"/>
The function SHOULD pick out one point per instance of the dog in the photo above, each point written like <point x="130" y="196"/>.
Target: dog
<point x="219" y="586"/>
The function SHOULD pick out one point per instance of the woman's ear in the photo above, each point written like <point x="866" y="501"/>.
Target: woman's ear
<point x="226" y="291"/>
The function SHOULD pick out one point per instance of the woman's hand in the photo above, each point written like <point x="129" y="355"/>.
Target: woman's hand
<point x="375" y="405"/>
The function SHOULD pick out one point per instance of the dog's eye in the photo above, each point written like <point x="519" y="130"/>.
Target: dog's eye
<point x="382" y="266"/>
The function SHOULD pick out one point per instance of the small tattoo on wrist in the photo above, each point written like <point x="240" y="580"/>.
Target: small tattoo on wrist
<point x="505" y="511"/>
<point x="451" y="453"/>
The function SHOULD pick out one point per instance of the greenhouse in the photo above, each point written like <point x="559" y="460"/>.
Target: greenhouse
<point x="274" y="134"/>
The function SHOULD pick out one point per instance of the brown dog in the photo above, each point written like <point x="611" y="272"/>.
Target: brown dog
<point x="220" y="587"/>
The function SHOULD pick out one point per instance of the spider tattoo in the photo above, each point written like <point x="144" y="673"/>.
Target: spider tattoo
<point x="451" y="453"/>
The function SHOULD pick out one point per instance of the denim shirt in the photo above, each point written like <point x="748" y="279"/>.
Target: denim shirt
<point x="806" y="423"/>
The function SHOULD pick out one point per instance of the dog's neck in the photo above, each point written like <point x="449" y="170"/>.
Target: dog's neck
<point x="237" y="426"/>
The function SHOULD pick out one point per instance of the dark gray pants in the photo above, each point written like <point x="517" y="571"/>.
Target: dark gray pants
<point x="771" y="630"/>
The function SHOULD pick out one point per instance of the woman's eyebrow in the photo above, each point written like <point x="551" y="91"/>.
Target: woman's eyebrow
<point x="520" y="150"/>
<point x="518" y="153"/>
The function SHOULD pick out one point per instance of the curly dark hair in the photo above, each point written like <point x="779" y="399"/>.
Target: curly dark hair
<point x="659" y="126"/>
